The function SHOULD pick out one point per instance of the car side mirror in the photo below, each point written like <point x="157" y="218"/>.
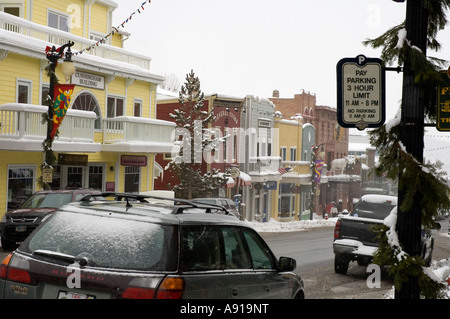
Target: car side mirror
<point x="287" y="264"/>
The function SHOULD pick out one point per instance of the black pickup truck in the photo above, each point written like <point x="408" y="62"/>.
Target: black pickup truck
<point x="355" y="239"/>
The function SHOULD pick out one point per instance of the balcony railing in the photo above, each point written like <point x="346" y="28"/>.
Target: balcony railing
<point x="137" y="129"/>
<point x="58" y="37"/>
<point x="24" y="122"/>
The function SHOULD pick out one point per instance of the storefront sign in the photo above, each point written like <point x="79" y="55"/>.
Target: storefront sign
<point x="271" y="185"/>
<point x="110" y="186"/>
<point x="47" y="175"/>
<point x="443" y="114"/>
<point x="133" y="160"/>
<point x="89" y="80"/>
<point x="72" y="159"/>
<point x="264" y="123"/>
<point x="360" y="92"/>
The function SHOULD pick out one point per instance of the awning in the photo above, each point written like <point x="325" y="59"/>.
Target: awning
<point x="244" y="179"/>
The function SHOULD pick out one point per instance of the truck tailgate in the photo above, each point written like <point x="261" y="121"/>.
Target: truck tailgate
<point x="360" y="229"/>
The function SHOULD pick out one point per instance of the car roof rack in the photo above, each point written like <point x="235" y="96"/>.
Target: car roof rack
<point x="143" y="199"/>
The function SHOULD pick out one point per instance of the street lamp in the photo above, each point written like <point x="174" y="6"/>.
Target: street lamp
<point x="53" y="55"/>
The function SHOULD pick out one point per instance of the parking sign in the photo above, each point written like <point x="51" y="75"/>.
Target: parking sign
<point x="360" y="92"/>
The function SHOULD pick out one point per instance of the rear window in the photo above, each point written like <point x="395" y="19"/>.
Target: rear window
<point x="374" y="210"/>
<point x="54" y="200"/>
<point x="107" y="242"/>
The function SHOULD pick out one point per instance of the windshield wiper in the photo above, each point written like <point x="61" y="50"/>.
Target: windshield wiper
<point x="55" y="255"/>
<point x="81" y="260"/>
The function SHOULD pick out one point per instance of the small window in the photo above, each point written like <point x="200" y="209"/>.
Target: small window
<point x="45" y="90"/>
<point x="115" y="107"/>
<point x="58" y="21"/>
<point x="283" y="153"/>
<point x="23" y="92"/>
<point x="137" y="108"/>
<point x="15" y="11"/>
<point x="293" y="154"/>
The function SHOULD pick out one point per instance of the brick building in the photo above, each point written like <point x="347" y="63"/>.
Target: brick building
<point x="329" y="135"/>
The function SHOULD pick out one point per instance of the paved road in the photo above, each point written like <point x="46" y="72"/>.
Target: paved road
<point x="315" y="264"/>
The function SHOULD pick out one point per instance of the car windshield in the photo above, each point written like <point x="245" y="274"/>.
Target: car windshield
<point x="54" y="200"/>
<point x="106" y="242"/>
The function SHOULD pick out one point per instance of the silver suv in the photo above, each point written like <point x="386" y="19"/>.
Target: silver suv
<point x="129" y="248"/>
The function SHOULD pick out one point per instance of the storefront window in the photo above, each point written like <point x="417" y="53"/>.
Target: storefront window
<point x="132" y="179"/>
<point x="20" y="185"/>
<point x="74" y="177"/>
<point x="96" y="177"/>
<point x="286" y="200"/>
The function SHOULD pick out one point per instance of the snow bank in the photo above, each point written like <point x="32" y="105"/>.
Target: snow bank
<point x="302" y="225"/>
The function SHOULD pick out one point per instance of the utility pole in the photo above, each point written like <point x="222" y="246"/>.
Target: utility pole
<point x="411" y="135"/>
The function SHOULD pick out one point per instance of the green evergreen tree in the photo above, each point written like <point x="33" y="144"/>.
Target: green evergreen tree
<point x="423" y="181"/>
<point x="193" y="138"/>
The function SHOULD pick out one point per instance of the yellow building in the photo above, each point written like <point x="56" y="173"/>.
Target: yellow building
<point x="109" y="137"/>
<point x="293" y="186"/>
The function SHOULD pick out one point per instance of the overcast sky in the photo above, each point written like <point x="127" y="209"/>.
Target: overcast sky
<point x="252" y="47"/>
<point x="241" y="47"/>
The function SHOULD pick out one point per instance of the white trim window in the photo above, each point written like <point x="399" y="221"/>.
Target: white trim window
<point x="12" y="7"/>
<point x="137" y="108"/>
<point x="293" y="153"/>
<point x="58" y="20"/>
<point x="115" y="106"/>
<point x="283" y="153"/>
<point x="23" y="89"/>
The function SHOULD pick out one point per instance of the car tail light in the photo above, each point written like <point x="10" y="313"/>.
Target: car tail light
<point x="337" y="229"/>
<point x="170" y="288"/>
<point x="12" y="273"/>
<point x="4" y="266"/>
<point x="138" y="293"/>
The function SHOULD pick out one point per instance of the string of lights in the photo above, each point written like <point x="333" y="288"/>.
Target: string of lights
<point x="115" y="29"/>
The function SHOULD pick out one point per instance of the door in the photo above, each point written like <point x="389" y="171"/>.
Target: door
<point x="202" y="262"/>
<point x="243" y="281"/>
<point x="274" y="284"/>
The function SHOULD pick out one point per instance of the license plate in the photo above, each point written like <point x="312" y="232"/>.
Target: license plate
<point x="21" y="228"/>
<point x="73" y="295"/>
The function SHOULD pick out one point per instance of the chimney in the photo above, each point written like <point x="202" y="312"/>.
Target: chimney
<point x="276" y="93"/>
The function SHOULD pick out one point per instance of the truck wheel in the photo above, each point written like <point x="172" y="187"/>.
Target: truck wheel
<point x="340" y="264"/>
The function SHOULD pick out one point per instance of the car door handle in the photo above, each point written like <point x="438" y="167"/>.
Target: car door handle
<point x="233" y="292"/>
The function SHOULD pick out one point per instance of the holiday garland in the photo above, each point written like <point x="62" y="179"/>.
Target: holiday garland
<point x="115" y="29"/>
<point x="420" y="180"/>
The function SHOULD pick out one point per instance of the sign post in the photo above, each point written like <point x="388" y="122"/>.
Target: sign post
<point x="360" y="92"/>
